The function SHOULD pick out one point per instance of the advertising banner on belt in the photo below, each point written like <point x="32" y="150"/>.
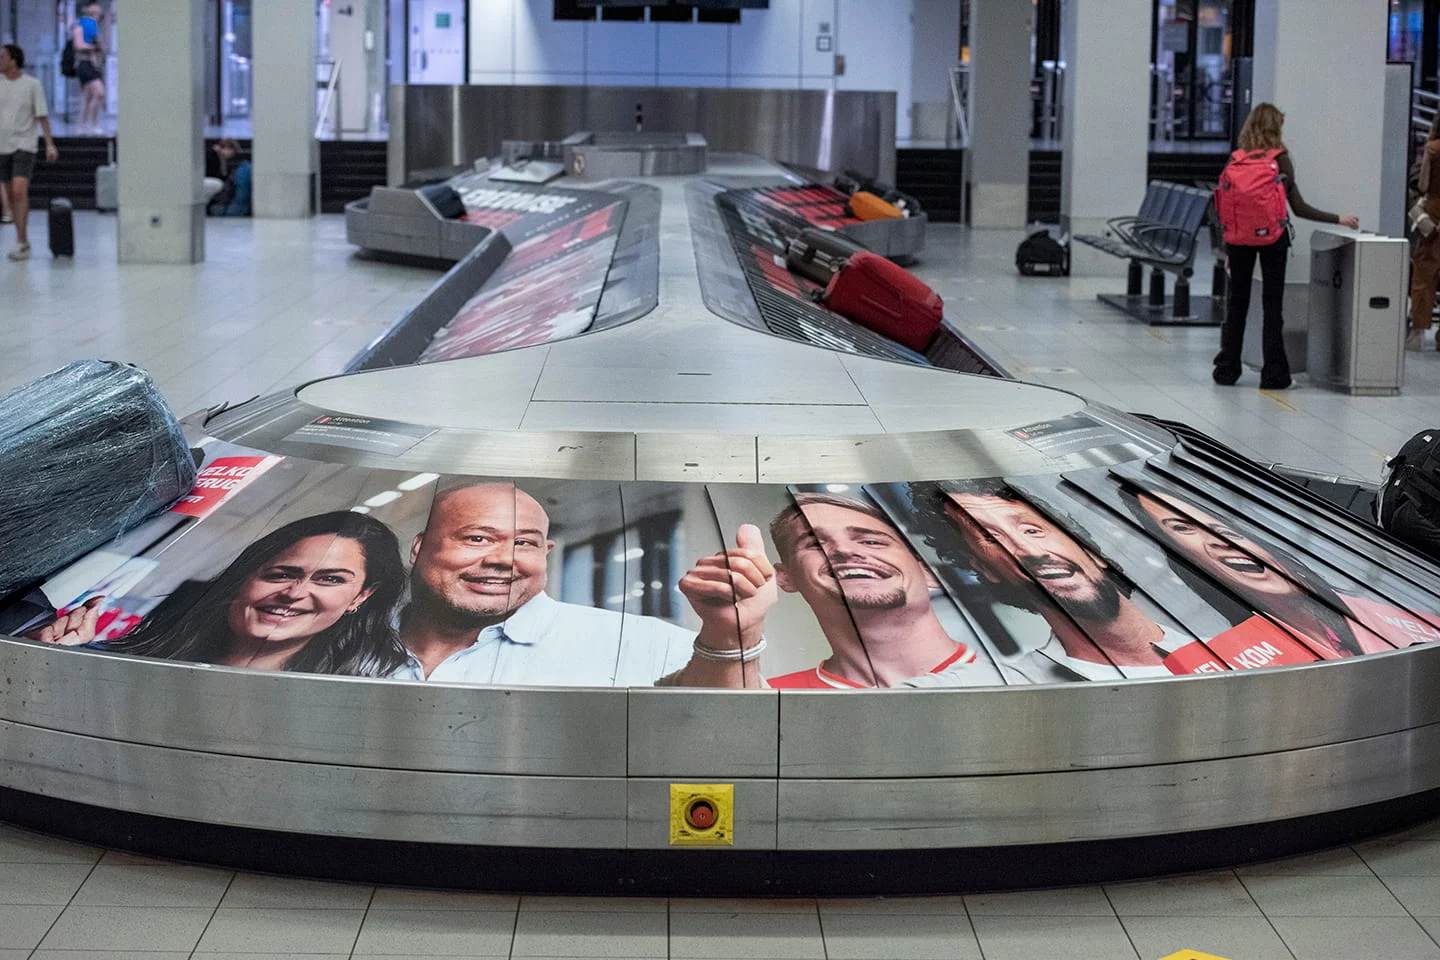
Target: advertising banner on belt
<point x="1103" y="574"/>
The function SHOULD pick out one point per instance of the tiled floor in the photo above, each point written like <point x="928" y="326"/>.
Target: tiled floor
<point x="1378" y="900"/>
<point x="276" y="303"/>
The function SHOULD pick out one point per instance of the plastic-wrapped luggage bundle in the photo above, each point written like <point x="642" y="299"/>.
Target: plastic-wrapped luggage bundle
<point x="86" y="453"/>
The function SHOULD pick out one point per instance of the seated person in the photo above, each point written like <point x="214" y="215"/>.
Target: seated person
<point x="227" y="181"/>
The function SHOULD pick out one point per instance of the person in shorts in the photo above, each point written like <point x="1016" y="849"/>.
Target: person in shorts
<point x="88" y="38"/>
<point x="23" y="115"/>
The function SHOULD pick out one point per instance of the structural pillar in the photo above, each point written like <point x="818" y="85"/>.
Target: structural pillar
<point x="1322" y="62"/>
<point x="161" y="217"/>
<point x="1105" y="128"/>
<point x="1000" y="111"/>
<point x="285" y="154"/>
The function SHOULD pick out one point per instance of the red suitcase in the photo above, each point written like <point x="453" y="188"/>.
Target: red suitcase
<point x="887" y="298"/>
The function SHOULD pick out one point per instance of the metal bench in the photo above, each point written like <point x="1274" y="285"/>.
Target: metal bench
<point x="1164" y="235"/>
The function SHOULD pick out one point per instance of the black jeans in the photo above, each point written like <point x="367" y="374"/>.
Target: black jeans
<point x="1272" y="283"/>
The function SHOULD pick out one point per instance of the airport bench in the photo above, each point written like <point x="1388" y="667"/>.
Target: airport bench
<point x="1163" y="235"/>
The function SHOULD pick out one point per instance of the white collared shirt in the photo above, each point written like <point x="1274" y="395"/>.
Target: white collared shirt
<point x="551" y="643"/>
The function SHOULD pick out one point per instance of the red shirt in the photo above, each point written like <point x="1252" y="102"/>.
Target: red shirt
<point x="821" y="679"/>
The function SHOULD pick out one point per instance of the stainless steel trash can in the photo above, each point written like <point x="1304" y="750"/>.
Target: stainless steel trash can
<point x="1357" y="312"/>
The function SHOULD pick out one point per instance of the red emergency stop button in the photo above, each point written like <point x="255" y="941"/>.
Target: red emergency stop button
<point x="701" y="815"/>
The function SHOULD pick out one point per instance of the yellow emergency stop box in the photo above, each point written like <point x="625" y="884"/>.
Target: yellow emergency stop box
<point x="702" y="814"/>
<point x="1191" y="955"/>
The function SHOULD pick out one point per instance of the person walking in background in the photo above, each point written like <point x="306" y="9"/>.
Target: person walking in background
<point x="23" y="115"/>
<point x="1251" y="202"/>
<point x="90" y="65"/>
<point x="1425" y="261"/>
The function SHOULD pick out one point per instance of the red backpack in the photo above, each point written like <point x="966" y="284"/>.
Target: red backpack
<point x="1250" y="200"/>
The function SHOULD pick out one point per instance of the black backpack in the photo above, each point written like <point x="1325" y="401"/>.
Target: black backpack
<point x="67" y="59"/>
<point x="1040" y="254"/>
<point x="1408" y="503"/>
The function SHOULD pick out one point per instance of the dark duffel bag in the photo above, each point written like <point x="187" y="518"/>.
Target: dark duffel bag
<point x="1040" y="254"/>
<point x="445" y="200"/>
<point x="62" y="228"/>
<point x="1408" y="503"/>
<point x="817" y="254"/>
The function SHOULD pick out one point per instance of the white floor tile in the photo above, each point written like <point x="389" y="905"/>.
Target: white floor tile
<point x="894" y="906"/>
<point x="1067" y="902"/>
<point x="1242" y="938"/>
<point x="1351" y="938"/>
<point x="713" y="935"/>
<point x="41" y="883"/>
<point x="1323" y="897"/>
<point x="164" y="885"/>
<point x="436" y="933"/>
<point x="914" y="937"/>
<point x="730" y="906"/>
<point x="1419" y="895"/>
<point x="592" y="934"/>
<point x="1402" y="858"/>
<point x="1339" y="862"/>
<point x="1074" y="938"/>
<point x="22" y="927"/>
<point x="395" y="898"/>
<point x="269" y="930"/>
<point x="128" y="928"/>
<point x="1208" y="895"/>
<point x="254" y="890"/>
<point x="22" y="846"/>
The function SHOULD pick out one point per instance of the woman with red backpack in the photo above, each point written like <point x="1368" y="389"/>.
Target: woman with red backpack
<point x="1256" y="192"/>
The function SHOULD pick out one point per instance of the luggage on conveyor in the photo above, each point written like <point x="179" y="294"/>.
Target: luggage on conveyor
<point x="62" y="228"/>
<point x="864" y="205"/>
<point x="1408" y="502"/>
<point x="886" y="298"/>
<point x="445" y="200"/>
<point x="86" y="453"/>
<point x="816" y="254"/>
<point x="850" y="182"/>
<point x="1040" y="254"/>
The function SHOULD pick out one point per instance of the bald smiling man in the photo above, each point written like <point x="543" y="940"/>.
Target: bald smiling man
<point x="478" y="611"/>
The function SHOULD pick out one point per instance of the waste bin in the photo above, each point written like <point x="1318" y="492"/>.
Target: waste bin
<point x="1356" y="341"/>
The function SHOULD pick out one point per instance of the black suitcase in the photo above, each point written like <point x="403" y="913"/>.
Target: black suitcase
<point x="1408" y="502"/>
<point x="817" y="254"/>
<point x="1040" y="254"/>
<point x="62" y="228"/>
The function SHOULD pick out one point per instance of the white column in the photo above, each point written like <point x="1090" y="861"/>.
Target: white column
<point x="285" y="152"/>
<point x="1106" y="47"/>
<point x="1322" y="62"/>
<point x="161" y="129"/>
<point x="1000" y="111"/>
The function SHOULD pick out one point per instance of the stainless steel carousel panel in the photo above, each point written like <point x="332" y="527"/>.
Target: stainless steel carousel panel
<point x="558" y="555"/>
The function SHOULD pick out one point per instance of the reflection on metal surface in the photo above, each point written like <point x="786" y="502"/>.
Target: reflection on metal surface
<point x="1104" y="804"/>
<point x="315" y="798"/>
<point x="448" y="126"/>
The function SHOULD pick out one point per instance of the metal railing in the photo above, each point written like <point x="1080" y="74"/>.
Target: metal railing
<point x="1051" y="94"/>
<point x="329" y="87"/>
<point x="960" y="104"/>
<point x="1423" y="107"/>
<point x="236" y="94"/>
<point x="1162" y="104"/>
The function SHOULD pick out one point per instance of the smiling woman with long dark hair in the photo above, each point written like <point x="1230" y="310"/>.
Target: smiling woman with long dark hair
<point x="315" y="596"/>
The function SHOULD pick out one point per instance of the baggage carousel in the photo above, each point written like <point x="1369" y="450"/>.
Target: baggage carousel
<point x="644" y="573"/>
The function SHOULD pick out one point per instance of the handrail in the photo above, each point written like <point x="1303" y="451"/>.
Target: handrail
<point x="960" y="101"/>
<point x="329" y="98"/>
